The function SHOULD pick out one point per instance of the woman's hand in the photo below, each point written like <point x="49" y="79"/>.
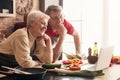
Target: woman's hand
<point x="46" y="37"/>
<point x="42" y="40"/>
<point x="37" y="63"/>
<point x="44" y="49"/>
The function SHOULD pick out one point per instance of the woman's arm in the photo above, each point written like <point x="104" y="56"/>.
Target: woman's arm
<point x="44" y="49"/>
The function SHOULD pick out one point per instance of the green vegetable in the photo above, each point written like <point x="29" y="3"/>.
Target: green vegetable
<point x="89" y="73"/>
<point x="84" y="73"/>
<point x="79" y="57"/>
<point x="51" y="66"/>
<point x="71" y="56"/>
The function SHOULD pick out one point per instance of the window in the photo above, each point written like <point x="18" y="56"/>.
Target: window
<point x="114" y="24"/>
<point x="87" y="18"/>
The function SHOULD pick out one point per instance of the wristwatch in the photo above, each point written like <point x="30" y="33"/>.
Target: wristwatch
<point x="23" y="6"/>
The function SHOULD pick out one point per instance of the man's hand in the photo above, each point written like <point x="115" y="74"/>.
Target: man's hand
<point x="61" y="29"/>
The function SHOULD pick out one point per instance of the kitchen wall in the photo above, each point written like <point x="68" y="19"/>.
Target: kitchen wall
<point x="7" y="23"/>
<point x="50" y="2"/>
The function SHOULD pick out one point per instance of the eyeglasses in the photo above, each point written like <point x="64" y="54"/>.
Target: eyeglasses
<point x="57" y="17"/>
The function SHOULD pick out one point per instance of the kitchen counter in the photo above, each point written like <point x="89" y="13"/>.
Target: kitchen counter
<point x="111" y="73"/>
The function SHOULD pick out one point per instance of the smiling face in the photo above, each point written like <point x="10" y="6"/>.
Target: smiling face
<point x="56" y="18"/>
<point x="39" y="27"/>
<point x="37" y="23"/>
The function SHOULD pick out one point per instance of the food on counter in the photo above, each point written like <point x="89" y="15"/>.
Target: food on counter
<point x="72" y="64"/>
<point x="110" y="64"/>
<point x="73" y="61"/>
<point x="76" y="60"/>
<point x="71" y="56"/>
<point x="74" y="67"/>
<point x="118" y="62"/>
<point x="115" y="59"/>
<point x="84" y="73"/>
<point x="51" y="66"/>
<point x="67" y="62"/>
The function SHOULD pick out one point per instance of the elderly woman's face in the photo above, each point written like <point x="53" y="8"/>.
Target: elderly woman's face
<point x="40" y="26"/>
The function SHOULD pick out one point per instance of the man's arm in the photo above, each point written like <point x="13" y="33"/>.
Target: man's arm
<point x="76" y="41"/>
<point x="58" y="48"/>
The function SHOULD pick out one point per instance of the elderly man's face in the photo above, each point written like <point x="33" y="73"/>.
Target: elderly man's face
<point x="56" y="18"/>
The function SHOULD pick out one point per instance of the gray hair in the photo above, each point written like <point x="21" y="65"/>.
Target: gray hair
<point x="55" y="8"/>
<point x="35" y="15"/>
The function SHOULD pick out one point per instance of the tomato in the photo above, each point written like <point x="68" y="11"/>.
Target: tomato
<point x="114" y="60"/>
<point x="74" y="67"/>
<point x="67" y="62"/>
<point x="117" y="57"/>
<point x="118" y="62"/>
<point x="80" y="62"/>
<point x="110" y="64"/>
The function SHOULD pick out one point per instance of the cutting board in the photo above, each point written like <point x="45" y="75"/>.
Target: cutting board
<point x="84" y="73"/>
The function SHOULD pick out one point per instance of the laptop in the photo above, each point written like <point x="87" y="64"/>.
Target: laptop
<point x="103" y="62"/>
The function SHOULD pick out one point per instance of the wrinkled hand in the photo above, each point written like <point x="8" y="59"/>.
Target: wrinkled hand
<point x="43" y="41"/>
<point x="44" y="37"/>
<point x="61" y="30"/>
<point x="37" y="64"/>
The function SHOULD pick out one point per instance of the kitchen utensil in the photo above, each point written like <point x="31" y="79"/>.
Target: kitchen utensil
<point x="22" y="73"/>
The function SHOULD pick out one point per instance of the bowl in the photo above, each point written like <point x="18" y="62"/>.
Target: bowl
<point x="92" y="59"/>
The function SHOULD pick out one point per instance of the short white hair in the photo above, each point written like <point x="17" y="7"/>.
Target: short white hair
<point x="36" y="15"/>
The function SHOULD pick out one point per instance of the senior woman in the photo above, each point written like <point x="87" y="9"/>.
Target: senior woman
<point x="19" y="47"/>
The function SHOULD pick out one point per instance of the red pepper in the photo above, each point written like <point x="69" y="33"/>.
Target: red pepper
<point x="77" y="61"/>
<point x="80" y="62"/>
<point x="114" y="60"/>
<point x="110" y="64"/>
<point x="74" y="67"/>
<point x="67" y="62"/>
<point x="118" y="62"/>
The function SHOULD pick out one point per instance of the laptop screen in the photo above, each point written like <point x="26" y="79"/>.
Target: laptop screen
<point x="104" y="58"/>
